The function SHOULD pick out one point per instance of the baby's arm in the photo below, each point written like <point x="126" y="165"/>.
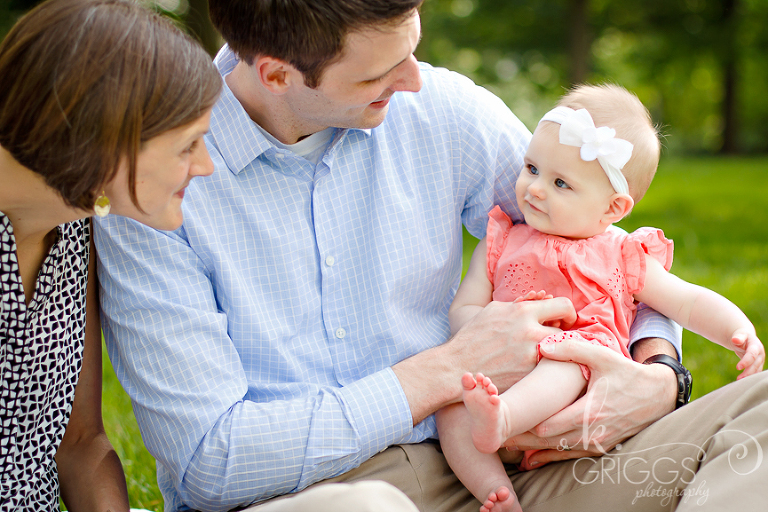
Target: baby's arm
<point x="704" y="312"/>
<point x="475" y="291"/>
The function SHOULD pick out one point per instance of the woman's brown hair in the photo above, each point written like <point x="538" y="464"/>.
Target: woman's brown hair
<point x="86" y="82"/>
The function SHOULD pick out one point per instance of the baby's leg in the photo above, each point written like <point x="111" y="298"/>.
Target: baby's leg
<point x="482" y="473"/>
<point x="550" y="387"/>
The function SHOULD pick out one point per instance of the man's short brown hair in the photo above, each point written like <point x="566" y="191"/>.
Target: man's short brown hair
<point x="308" y="34"/>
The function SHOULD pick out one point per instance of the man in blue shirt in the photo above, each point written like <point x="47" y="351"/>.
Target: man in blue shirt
<point x="294" y="329"/>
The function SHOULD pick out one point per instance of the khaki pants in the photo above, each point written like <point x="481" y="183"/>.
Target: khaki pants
<point x="706" y="456"/>
<point x="366" y="496"/>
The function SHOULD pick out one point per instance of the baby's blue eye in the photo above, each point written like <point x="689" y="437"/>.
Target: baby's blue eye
<point x="533" y="170"/>
<point x="561" y="184"/>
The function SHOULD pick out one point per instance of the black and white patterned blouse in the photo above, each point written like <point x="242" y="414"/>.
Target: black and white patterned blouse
<point x="40" y="359"/>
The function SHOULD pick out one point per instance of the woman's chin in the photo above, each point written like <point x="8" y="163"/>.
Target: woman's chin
<point x="167" y="221"/>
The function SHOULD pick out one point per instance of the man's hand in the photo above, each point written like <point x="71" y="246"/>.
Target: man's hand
<point x="500" y="342"/>
<point x="622" y="398"/>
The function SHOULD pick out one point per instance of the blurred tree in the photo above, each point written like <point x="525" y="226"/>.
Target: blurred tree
<point x="11" y="10"/>
<point x="200" y="26"/>
<point x="580" y="41"/>
<point x="698" y="38"/>
<point x="728" y="58"/>
<point x="700" y="65"/>
<point x="191" y="15"/>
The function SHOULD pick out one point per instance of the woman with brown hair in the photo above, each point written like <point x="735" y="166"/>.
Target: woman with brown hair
<point x="103" y="106"/>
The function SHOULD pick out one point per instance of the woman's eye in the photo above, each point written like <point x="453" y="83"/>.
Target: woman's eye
<point x="561" y="184"/>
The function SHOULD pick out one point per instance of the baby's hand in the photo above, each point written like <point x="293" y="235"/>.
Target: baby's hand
<point x="532" y="295"/>
<point x="751" y="351"/>
<point x="540" y="295"/>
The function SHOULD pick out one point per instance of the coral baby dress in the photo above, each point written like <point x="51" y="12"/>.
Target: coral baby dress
<point x="599" y="275"/>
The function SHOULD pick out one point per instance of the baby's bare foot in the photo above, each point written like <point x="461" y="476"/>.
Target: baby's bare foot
<point x="486" y="411"/>
<point x="501" y="500"/>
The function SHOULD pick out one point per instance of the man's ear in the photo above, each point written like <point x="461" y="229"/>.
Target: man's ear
<point x="619" y="207"/>
<point x="275" y="75"/>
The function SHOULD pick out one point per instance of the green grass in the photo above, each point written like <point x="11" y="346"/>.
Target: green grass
<point x="715" y="210"/>
<point x="123" y="432"/>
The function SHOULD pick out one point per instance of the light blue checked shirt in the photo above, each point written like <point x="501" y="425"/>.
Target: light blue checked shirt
<point x="256" y="341"/>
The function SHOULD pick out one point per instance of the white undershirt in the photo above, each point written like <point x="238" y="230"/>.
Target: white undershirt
<point x="311" y="148"/>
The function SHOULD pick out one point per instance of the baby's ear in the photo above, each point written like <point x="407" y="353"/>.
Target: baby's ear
<point x="619" y="207"/>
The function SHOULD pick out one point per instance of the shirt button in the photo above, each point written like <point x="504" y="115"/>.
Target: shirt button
<point x="279" y="156"/>
<point x="330" y="260"/>
<point x="340" y="333"/>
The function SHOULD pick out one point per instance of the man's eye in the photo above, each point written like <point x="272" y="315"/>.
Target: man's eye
<point x="191" y="147"/>
<point x="561" y="184"/>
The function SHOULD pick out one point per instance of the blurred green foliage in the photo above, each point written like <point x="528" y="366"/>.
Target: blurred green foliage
<point x="701" y="66"/>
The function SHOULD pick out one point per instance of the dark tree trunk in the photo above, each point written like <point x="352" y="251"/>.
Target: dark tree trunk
<point x="730" y="78"/>
<point x="580" y="40"/>
<point x="199" y="25"/>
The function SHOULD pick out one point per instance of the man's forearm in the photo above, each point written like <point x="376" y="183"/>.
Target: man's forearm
<point x="647" y="347"/>
<point x="430" y="380"/>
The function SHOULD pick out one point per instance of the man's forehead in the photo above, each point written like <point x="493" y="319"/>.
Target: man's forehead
<point x="381" y="47"/>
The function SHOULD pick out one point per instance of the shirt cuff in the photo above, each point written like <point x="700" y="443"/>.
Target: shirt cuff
<point x="378" y="409"/>
<point x="651" y="324"/>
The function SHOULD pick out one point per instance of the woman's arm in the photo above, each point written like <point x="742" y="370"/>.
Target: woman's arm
<point x="704" y="312"/>
<point x="90" y="475"/>
<point x="475" y="291"/>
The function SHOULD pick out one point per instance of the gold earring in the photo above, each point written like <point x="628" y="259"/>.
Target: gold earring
<point x="102" y="205"/>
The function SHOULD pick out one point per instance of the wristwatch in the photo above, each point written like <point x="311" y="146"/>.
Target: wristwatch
<point x="684" y="378"/>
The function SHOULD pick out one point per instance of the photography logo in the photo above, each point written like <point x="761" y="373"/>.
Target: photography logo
<point x="663" y="472"/>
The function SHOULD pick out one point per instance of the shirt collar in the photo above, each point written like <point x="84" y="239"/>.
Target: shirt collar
<point x="234" y="133"/>
<point x="236" y="136"/>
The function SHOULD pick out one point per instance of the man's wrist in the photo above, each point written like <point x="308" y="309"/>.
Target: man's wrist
<point x="644" y="348"/>
<point x="429" y="382"/>
<point x="683" y="377"/>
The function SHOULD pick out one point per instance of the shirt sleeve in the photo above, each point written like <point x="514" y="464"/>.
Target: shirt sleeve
<point x="492" y="143"/>
<point x="215" y="444"/>
<point x="649" y="323"/>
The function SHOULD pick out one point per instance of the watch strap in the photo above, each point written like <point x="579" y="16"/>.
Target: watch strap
<point x="684" y="378"/>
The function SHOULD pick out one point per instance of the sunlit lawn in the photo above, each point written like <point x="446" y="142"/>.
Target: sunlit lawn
<point x="715" y="210"/>
<point x="123" y="431"/>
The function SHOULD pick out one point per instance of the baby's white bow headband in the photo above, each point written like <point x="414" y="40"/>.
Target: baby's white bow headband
<point x="578" y="129"/>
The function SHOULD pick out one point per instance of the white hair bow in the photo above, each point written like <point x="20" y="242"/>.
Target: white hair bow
<point x="578" y="129"/>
